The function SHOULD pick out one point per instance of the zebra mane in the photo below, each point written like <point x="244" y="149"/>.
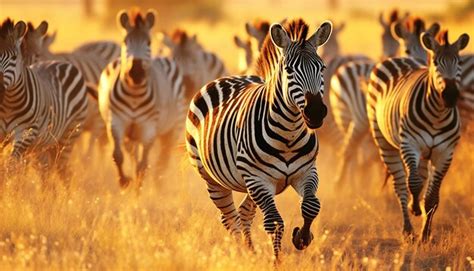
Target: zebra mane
<point x="415" y="25"/>
<point x="262" y="25"/>
<point x="442" y="37"/>
<point x="6" y="32"/>
<point x="393" y="17"/>
<point x="136" y="17"/>
<point x="297" y="29"/>
<point x="179" y="36"/>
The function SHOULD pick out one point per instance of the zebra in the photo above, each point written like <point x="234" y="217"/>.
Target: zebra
<point x="43" y="106"/>
<point x="349" y="88"/>
<point x="140" y="97"/>
<point x="197" y="65"/>
<point x="415" y="123"/>
<point x="256" y="136"/>
<point x="91" y="58"/>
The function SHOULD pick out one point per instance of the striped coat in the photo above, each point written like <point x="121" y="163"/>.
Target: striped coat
<point x="140" y="98"/>
<point x="415" y="123"/>
<point x="249" y="136"/>
<point x="43" y="106"/>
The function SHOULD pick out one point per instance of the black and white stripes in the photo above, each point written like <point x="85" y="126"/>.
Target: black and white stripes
<point x="249" y="136"/>
<point x="141" y="98"/>
<point x="415" y="123"/>
<point x="43" y="106"/>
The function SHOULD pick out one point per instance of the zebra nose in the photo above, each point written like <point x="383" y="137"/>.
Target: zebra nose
<point x="450" y="93"/>
<point x="137" y="72"/>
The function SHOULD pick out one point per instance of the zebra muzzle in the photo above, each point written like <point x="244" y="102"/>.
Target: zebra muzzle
<point x="314" y="111"/>
<point x="450" y="93"/>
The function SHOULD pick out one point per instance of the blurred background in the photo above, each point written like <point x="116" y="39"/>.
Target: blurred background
<point x="217" y="21"/>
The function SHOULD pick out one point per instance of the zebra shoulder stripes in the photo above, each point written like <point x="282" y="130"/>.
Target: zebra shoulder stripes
<point x="257" y="137"/>
<point x="415" y="123"/>
<point x="140" y="98"/>
<point x="43" y="105"/>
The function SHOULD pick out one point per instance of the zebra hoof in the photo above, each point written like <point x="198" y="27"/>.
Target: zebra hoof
<point x="414" y="207"/>
<point x="301" y="239"/>
<point x="124" y="182"/>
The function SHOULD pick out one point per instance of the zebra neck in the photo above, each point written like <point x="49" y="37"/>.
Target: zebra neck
<point x="282" y="111"/>
<point x="17" y="90"/>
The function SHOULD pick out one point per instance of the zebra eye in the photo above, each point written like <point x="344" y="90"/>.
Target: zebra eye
<point x="407" y="52"/>
<point x="288" y="69"/>
<point x="14" y="57"/>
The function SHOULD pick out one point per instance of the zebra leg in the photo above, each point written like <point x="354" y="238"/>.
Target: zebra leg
<point x="247" y="213"/>
<point x="22" y="141"/>
<point x="441" y="161"/>
<point x="222" y="198"/>
<point x="394" y="165"/>
<point x="142" y="166"/>
<point x="117" y="137"/>
<point x="411" y="159"/>
<point x="310" y="207"/>
<point x="263" y="196"/>
<point x="350" y="145"/>
<point x="66" y="144"/>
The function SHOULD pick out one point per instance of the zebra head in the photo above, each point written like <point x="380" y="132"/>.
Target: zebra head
<point x="136" y="58"/>
<point x="11" y="60"/>
<point x="32" y="46"/>
<point x="258" y="30"/>
<point x="302" y="71"/>
<point x="390" y="46"/>
<point x="185" y="50"/>
<point x="408" y="34"/>
<point x="444" y="67"/>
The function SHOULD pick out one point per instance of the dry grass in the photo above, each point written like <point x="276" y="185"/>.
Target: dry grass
<point x="173" y="225"/>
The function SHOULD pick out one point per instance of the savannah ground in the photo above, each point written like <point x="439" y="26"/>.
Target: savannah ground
<point x="173" y="224"/>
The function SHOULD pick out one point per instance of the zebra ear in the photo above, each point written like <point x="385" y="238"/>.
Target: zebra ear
<point x="398" y="30"/>
<point x="123" y="20"/>
<point x="251" y="30"/>
<point x="428" y="42"/>
<point x="381" y="20"/>
<point x="49" y="39"/>
<point x="150" y="18"/>
<point x="239" y="42"/>
<point x="321" y="36"/>
<point x="462" y="42"/>
<point x="42" y="28"/>
<point x="20" y="30"/>
<point x="434" y="29"/>
<point x="279" y="36"/>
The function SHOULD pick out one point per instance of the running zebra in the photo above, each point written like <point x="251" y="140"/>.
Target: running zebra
<point x="349" y="88"/>
<point x="257" y="137"/>
<point x="197" y="65"/>
<point x="43" y="106"/>
<point x="415" y="123"/>
<point x="90" y="58"/>
<point x="141" y="98"/>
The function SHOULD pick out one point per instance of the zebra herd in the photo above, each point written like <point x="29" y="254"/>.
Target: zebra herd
<point x="253" y="133"/>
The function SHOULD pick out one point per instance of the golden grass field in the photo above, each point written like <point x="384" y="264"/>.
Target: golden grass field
<point x="173" y="224"/>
